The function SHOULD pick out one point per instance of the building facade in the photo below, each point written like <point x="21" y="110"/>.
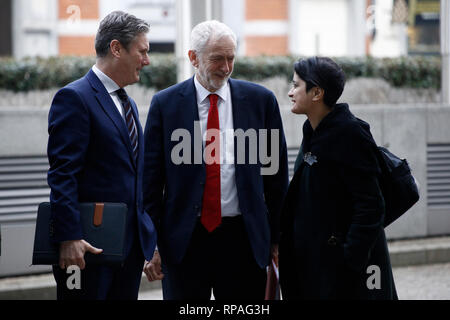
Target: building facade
<point x="264" y="27"/>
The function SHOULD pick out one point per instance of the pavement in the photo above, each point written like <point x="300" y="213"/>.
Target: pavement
<point x="419" y="282"/>
<point x="421" y="270"/>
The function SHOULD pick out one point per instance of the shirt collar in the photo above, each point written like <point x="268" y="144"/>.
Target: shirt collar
<point x="109" y="83"/>
<point x="203" y="93"/>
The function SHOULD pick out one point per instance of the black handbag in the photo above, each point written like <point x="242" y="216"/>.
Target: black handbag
<point x="397" y="184"/>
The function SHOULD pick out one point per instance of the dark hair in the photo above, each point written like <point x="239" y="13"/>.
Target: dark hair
<point x="324" y="73"/>
<point x="120" y="26"/>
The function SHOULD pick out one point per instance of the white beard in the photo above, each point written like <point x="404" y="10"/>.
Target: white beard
<point x="215" y="84"/>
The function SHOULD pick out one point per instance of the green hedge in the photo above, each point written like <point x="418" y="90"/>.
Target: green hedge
<point x="411" y="72"/>
<point x="39" y="73"/>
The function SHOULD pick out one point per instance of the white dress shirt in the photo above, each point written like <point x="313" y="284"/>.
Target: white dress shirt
<point x="111" y="87"/>
<point x="228" y="190"/>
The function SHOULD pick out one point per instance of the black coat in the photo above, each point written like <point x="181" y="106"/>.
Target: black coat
<point x="332" y="220"/>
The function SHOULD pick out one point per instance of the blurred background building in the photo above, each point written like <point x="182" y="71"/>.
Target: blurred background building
<point x="271" y="27"/>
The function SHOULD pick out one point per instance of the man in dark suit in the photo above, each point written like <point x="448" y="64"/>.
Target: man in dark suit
<point x="216" y="207"/>
<point x="96" y="153"/>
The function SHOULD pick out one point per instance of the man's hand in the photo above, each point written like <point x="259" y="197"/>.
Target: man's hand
<point x="72" y="253"/>
<point x="153" y="269"/>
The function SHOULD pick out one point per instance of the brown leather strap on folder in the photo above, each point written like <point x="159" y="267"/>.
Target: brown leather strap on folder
<point x="98" y="214"/>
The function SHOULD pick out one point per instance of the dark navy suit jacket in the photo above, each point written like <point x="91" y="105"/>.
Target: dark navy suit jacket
<point x="91" y="160"/>
<point x="173" y="193"/>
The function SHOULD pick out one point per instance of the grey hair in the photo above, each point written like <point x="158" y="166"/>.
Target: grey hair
<point x="120" y="26"/>
<point x="209" y="30"/>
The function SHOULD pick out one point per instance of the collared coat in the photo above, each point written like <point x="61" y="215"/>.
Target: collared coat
<point x="333" y="244"/>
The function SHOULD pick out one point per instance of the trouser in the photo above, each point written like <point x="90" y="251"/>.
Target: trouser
<point x="220" y="262"/>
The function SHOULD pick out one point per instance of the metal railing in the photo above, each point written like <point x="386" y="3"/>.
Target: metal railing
<point x="23" y="185"/>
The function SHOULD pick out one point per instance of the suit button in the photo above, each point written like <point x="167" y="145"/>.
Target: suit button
<point x="332" y="241"/>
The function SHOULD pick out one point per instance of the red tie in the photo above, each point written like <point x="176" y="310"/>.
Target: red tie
<point x="211" y="209"/>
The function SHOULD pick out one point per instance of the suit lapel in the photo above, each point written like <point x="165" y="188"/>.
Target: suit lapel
<point x="188" y="110"/>
<point x="109" y="108"/>
<point x="241" y="110"/>
<point x="189" y="100"/>
<point x="240" y="107"/>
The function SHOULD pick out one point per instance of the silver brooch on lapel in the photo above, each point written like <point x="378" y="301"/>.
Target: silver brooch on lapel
<point x="309" y="158"/>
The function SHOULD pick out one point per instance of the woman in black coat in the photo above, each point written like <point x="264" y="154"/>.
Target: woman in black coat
<point x="333" y="244"/>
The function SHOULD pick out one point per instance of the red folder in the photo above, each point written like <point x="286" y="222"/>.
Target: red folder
<point x="272" y="285"/>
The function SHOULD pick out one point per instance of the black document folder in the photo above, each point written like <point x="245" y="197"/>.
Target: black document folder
<point x="103" y="227"/>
